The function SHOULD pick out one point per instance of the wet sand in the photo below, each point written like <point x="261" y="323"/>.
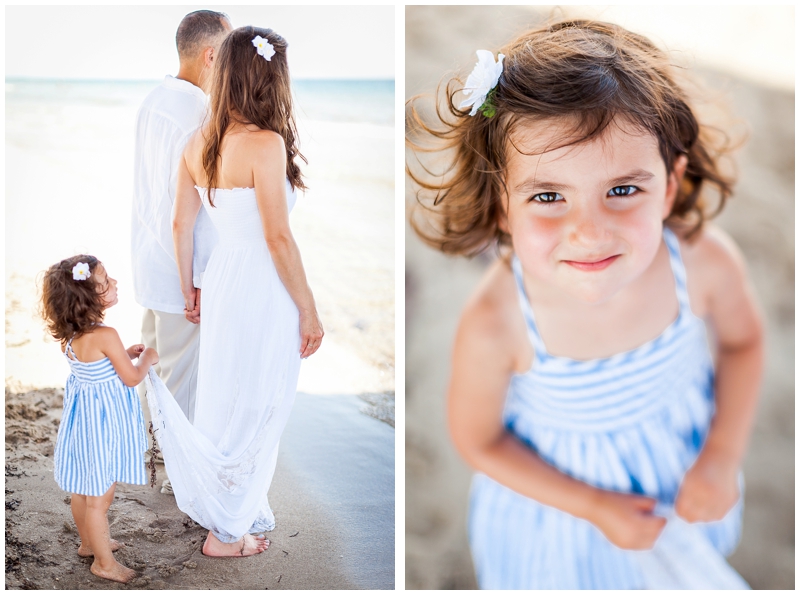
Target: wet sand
<point x="760" y="217"/>
<point x="333" y="497"/>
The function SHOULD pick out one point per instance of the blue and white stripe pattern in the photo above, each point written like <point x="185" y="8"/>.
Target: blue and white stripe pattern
<point x="632" y="423"/>
<point x="101" y="438"/>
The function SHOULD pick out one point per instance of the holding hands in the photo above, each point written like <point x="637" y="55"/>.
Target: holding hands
<point x="192" y="309"/>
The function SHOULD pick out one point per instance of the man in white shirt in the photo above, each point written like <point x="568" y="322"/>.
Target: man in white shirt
<point x="167" y="118"/>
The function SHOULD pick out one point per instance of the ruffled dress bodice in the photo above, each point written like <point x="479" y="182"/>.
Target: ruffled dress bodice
<point x="235" y="214"/>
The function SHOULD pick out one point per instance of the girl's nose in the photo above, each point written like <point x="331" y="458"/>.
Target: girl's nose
<point x="588" y="227"/>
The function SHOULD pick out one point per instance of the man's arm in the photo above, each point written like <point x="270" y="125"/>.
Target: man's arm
<point x="187" y="206"/>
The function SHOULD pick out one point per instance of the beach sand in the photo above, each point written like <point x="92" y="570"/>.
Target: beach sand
<point x="333" y="498"/>
<point x="760" y="217"/>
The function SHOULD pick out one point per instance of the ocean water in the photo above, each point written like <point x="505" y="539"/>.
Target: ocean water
<point x="69" y="172"/>
<point x="325" y="100"/>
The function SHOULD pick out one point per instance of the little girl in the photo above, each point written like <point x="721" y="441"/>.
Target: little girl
<point x="583" y="389"/>
<point x="101" y="439"/>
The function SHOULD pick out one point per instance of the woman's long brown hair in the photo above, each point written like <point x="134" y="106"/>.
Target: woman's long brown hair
<point x="248" y="89"/>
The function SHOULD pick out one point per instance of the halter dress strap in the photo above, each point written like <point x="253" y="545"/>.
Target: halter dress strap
<point x="678" y="273"/>
<point x="678" y="270"/>
<point x="539" y="349"/>
<point x="69" y="352"/>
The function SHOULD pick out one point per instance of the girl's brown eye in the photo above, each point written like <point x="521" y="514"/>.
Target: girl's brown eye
<point x="623" y="191"/>
<point x="547" y="197"/>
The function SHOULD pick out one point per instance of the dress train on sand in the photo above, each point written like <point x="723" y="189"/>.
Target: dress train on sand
<point x="222" y="466"/>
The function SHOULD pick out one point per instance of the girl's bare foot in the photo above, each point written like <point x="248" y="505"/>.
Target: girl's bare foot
<point x="246" y="546"/>
<point x="84" y="551"/>
<point x="117" y="572"/>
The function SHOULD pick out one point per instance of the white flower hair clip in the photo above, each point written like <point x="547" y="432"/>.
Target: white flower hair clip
<point x="264" y="48"/>
<point x="80" y="272"/>
<point x="481" y="82"/>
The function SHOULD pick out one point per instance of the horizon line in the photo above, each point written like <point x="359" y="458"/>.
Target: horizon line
<point x="149" y="80"/>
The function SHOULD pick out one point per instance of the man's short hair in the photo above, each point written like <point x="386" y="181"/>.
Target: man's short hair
<point x="198" y="30"/>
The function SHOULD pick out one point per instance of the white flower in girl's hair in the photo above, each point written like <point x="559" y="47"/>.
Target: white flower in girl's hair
<point x="80" y="272"/>
<point x="264" y="48"/>
<point x="481" y="81"/>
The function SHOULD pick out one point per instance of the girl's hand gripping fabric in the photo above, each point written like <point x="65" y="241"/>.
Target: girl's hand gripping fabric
<point x="627" y="520"/>
<point x="709" y="489"/>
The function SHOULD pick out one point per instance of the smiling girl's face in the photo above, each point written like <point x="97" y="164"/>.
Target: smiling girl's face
<point x="587" y="219"/>
<point x="107" y="285"/>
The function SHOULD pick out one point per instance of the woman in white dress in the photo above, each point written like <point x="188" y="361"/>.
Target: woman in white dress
<point x="258" y="312"/>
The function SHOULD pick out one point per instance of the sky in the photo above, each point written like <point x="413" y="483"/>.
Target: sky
<point x="138" y="42"/>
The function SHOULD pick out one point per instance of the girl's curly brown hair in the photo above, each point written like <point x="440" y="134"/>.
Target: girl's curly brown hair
<point x="584" y="74"/>
<point x="71" y="308"/>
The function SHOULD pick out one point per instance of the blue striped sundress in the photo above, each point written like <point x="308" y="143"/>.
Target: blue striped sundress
<point x="633" y="423"/>
<point x="101" y="438"/>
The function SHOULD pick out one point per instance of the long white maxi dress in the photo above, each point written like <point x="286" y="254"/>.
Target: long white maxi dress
<point x="222" y="467"/>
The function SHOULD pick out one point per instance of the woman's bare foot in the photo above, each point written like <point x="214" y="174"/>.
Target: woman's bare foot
<point x="246" y="546"/>
<point x="117" y="572"/>
<point x="84" y="551"/>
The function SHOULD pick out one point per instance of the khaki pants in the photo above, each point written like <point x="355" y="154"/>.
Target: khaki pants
<point x="177" y="342"/>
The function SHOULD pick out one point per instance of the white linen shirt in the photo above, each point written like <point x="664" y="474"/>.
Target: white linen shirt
<point x="166" y="119"/>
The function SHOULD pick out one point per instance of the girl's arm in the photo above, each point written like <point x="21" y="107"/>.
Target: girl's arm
<point x="110" y="345"/>
<point x="187" y="206"/>
<point x="269" y="177"/>
<point x="710" y="487"/>
<point x="483" y="362"/>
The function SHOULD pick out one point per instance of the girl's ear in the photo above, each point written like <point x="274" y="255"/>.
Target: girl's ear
<point x="674" y="183"/>
<point x="502" y="221"/>
<point x="502" y="215"/>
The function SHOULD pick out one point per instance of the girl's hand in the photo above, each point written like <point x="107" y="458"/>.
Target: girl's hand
<point x="150" y="355"/>
<point x="627" y="520"/>
<point x="108" y="342"/>
<point x="709" y="489"/>
<point x="311" y="333"/>
<point x="135" y="351"/>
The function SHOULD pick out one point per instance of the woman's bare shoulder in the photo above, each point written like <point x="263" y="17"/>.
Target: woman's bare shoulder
<point x="249" y="150"/>
<point x="263" y="141"/>
<point x="192" y="155"/>
<point x="195" y="143"/>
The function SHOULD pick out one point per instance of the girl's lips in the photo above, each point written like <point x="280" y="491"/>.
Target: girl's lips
<point x="597" y="265"/>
